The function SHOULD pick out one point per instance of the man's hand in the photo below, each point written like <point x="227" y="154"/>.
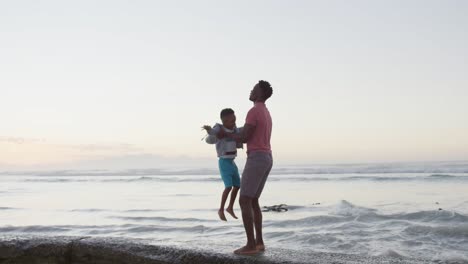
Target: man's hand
<point x="221" y="134"/>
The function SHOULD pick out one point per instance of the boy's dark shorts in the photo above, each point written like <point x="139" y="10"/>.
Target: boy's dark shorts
<point x="256" y="171"/>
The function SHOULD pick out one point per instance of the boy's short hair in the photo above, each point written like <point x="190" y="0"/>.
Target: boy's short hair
<point x="266" y="88"/>
<point x="226" y="112"/>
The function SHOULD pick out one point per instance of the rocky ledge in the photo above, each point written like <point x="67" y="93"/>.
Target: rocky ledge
<point x="81" y="250"/>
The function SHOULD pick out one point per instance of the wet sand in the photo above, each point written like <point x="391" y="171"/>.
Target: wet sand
<point x="81" y="250"/>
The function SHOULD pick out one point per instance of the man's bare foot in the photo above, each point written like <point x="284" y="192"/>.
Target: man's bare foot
<point x="246" y="251"/>
<point x="231" y="212"/>
<point x="260" y="247"/>
<point x="221" y="215"/>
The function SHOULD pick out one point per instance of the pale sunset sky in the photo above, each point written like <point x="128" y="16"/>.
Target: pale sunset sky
<point x="353" y="81"/>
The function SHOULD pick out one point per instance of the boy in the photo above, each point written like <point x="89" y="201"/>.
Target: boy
<point x="226" y="149"/>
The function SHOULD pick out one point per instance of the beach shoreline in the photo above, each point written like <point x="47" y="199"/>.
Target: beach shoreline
<point x="58" y="250"/>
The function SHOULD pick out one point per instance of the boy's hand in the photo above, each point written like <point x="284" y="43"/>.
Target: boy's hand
<point x="207" y="128"/>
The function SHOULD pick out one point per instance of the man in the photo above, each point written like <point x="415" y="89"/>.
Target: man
<point x="257" y="134"/>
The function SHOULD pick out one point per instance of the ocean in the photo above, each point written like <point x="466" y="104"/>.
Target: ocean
<point x="385" y="210"/>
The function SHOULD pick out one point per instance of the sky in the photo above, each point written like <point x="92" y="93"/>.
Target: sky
<point x="106" y="82"/>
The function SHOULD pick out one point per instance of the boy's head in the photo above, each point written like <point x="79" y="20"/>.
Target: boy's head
<point x="228" y="118"/>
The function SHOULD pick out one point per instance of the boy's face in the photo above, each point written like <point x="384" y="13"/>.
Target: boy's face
<point x="229" y="121"/>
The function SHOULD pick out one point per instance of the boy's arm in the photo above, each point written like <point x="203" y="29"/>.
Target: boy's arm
<point x="214" y="131"/>
<point x="210" y="139"/>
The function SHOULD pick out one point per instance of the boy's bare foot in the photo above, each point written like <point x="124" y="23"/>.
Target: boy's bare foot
<point x="246" y="251"/>
<point x="231" y="212"/>
<point x="221" y="215"/>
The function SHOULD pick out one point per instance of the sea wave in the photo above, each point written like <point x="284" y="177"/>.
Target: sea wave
<point x="351" y="228"/>
<point x="35" y="229"/>
<point x="7" y="208"/>
<point x="55" y="180"/>
<point x="453" y="232"/>
<point x="341" y="227"/>
<point x="160" y="219"/>
<point x="272" y="178"/>
<point x="307" y="221"/>
<point x="358" y="168"/>
<point x="89" y="210"/>
<point x="346" y="212"/>
<point x="131" y="211"/>
<point x="124" y="229"/>
<point x="70" y="179"/>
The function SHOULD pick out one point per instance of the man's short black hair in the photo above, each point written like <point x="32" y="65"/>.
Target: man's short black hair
<point x="226" y="112"/>
<point x="266" y="89"/>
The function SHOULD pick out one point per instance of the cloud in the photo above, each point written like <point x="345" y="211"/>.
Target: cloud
<point x="111" y="147"/>
<point x="22" y="151"/>
<point x="20" y="140"/>
<point x="121" y="162"/>
<point x="141" y="161"/>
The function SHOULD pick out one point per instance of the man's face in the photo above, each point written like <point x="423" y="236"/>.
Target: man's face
<point x="229" y="121"/>
<point x="255" y="94"/>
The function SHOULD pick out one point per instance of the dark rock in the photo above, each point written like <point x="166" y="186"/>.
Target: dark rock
<point x="85" y="250"/>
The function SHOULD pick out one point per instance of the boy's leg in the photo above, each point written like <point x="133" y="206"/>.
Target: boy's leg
<point x="236" y="185"/>
<point x="230" y="208"/>
<point x="224" y="197"/>
<point x="224" y="171"/>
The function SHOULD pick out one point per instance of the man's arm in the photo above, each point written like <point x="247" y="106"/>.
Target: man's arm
<point x="244" y="135"/>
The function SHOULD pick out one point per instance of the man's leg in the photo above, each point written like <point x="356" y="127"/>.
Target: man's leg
<point x="258" y="218"/>
<point x="224" y="197"/>
<point x="230" y="208"/>
<point x="257" y="211"/>
<point x="247" y="217"/>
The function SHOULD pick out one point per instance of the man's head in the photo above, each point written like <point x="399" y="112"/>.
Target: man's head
<point x="228" y="118"/>
<point x="261" y="92"/>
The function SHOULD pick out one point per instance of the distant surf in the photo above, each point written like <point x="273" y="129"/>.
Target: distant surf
<point x="275" y="177"/>
<point x="441" y="168"/>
